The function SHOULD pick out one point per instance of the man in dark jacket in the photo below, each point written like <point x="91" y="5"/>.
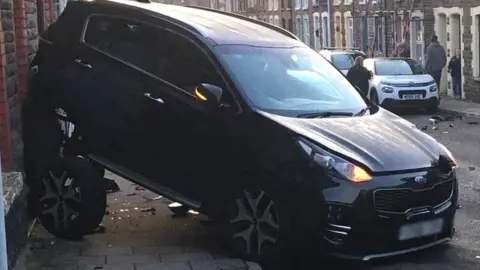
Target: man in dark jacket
<point x="436" y="60"/>
<point x="358" y="75"/>
<point x="455" y="69"/>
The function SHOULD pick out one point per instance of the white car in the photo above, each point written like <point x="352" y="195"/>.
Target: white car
<point x="401" y="82"/>
<point x="342" y="59"/>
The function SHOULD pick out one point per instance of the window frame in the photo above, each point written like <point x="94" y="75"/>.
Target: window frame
<point x="219" y="70"/>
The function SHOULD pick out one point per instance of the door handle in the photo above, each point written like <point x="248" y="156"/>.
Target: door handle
<point x="148" y="95"/>
<point x="82" y="63"/>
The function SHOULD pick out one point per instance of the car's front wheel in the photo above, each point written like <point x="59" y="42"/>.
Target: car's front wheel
<point x="258" y="223"/>
<point x="72" y="198"/>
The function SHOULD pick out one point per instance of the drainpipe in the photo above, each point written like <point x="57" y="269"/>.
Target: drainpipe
<point x="3" y="233"/>
<point x="329" y="22"/>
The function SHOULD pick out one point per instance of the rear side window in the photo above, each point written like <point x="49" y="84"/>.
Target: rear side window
<point x="126" y="40"/>
<point x="342" y="61"/>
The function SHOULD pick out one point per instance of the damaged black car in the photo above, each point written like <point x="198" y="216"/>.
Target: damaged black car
<point x="230" y="116"/>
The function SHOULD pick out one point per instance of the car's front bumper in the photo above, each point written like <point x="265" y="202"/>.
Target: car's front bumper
<point x="420" y="103"/>
<point x="366" y="233"/>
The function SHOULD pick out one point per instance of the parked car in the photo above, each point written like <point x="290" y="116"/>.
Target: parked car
<point x="342" y="59"/>
<point x="232" y="117"/>
<point x="401" y="82"/>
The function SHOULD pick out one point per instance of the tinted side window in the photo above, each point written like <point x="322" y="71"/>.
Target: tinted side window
<point x="123" y="39"/>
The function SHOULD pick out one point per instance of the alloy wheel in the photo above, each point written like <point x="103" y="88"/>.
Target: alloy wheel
<point x="257" y="222"/>
<point x="60" y="199"/>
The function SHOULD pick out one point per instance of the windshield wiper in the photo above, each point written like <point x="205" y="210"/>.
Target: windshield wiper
<point x="323" y="114"/>
<point x="362" y="111"/>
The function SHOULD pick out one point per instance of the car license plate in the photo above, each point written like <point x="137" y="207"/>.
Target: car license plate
<point x="420" y="229"/>
<point x="412" y="96"/>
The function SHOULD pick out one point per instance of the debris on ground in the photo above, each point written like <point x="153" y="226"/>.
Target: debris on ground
<point x="131" y="194"/>
<point x="139" y="188"/>
<point x="432" y="121"/>
<point x="472" y="123"/>
<point x="459" y="206"/>
<point x="99" y="230"/>
<point x="434" y="128"/>
<point x="437" y="118"/>
<point x="450" y="125"/>
<point x="152" y="199"/>
<point x="149" y="210"/>
<point x="471" y="168"/>
<point x="424" y="127"/>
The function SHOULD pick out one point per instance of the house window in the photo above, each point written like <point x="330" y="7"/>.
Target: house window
<point x="338" y="34"/>
<point x="476" y="47"/>
<point x="380" y="35"/>
<point x="270" y="5"/>
<point x="275" y="4"/>
<point x="289" y="4"/>
<point x="284" y="23"/>
<point x="282" y="4"/>
<point x="417" y="40"/>
<point x="306" y="29"/>
<point x="350" y="38"/>
<point x="297" y="4"/>
<point x="325" y="32"/>
<point x="299" y="27"/>
<point x="290" y="25"/>
<point x="270" y="19"/>
<point x="316" y="31"/>
<point x="304" y="4"/>
<point x="277" y="20"/>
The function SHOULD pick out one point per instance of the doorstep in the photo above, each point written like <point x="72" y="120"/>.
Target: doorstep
<point x="16" y="219"/>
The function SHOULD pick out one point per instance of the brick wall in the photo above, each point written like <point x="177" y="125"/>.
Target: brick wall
<point x="18" y="43"/>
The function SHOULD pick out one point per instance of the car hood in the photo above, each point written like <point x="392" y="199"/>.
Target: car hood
<point x="423" y="78"/>
<point x="382" y="142"/>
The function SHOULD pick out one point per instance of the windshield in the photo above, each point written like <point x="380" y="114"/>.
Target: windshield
<point x="342" y="61"/>
<point x="289" y="81"/>
<point x="390" y="67"/>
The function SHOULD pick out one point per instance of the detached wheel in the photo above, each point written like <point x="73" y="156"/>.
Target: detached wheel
<point x="72" y="200"/>
<point x="257" y="226"/>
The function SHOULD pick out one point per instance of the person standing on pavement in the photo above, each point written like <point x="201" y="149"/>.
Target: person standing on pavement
<point x="436" y="60"/>
<point x="358" y="75"/>
<point x="455" y="70"/>
<point x="403" y="49"/>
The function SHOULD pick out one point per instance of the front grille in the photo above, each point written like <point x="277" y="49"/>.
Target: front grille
<point x="401" y="200"/>
<point x="412" y="85"/>
<point x="411" y="92"/>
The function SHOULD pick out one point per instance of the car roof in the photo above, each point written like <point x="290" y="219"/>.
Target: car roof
<point x="389" y="58"/>
<point x="221" y="28"/>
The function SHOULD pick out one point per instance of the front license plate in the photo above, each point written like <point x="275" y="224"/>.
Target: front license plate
<point x="420" y="229"/>
<point x="412" y="96"/>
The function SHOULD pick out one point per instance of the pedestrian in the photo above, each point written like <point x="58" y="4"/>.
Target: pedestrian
<point x="455" y="70"/>
<point x="403" y="49"/>
<point x="359" y="76"/>
<point x="436" y="60"/>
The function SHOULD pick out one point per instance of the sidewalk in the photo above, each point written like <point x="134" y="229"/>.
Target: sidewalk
<point x="462" y="107"/>
<point x="140" y="234"/>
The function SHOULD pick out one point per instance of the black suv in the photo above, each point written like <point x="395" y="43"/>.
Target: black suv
<point x="230" y="116"/>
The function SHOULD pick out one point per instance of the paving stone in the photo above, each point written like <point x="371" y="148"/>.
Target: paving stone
<point x="165" y="266"/>
<point x="127" y="266"/>
<point x="157" y="250"/>
<point x="113" y="250"/>
<point x="222" y="264"/>
<point x="186" y="257"/>
<point x="137" y="259"/>
<point x="80" y="261"/>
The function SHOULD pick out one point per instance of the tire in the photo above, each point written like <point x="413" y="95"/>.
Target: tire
<point x="79" y="207"/>
<point x="374" y="96"/>
<point x="258" y="222"/>
<point x="177" y="209"/>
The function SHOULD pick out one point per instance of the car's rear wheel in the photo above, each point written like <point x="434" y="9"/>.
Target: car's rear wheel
<point x="72" y="198"/>
<point x="257" y="223"/>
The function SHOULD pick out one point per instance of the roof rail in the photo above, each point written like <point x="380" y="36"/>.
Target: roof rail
<point x="341" y="48"/>
<point x="270" y="26"/>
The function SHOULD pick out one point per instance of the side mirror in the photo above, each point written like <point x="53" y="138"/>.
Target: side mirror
<point x="208" y="93"/>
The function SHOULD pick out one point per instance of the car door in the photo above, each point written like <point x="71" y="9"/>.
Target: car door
<point x="115" y="110"/>
<point x="195" y="142"/>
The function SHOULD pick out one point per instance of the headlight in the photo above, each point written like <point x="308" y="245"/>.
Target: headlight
<point x="335" y="165"/>
<point x="450" y="155"/>
<point x="433" y="88"/>
<point x="387" y="89"/>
